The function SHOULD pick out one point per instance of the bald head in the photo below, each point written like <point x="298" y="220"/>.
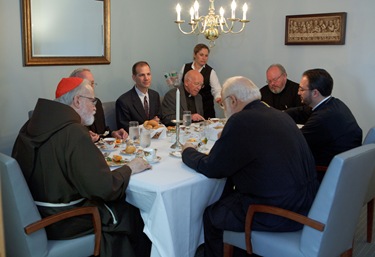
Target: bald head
<point x="193" y="82"/>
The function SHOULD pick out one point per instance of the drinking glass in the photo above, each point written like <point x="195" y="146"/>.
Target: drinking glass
<point x="134" y="131"/>
<point x="186" y="119"/>
<point x="145" y="139"/>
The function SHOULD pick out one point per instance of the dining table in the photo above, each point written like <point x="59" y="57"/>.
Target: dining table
<point x="171" y="198"/>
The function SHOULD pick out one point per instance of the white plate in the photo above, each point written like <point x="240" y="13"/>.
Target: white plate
<point x="176" y="154"/>
<point x="156" y="160"/>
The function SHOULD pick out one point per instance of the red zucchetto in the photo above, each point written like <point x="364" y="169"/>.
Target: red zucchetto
<point x="67" y="84"/>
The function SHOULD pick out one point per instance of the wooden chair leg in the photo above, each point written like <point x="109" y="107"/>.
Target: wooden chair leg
<point x="228" y="250"/>
<point x="348" y="253"/>
<point x="370" y="220"/>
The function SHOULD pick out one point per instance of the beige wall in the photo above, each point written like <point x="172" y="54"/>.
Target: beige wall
<point x="140" y="33"/>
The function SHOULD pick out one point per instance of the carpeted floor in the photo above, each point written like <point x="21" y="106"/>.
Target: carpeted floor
<point x="361" y="247"/>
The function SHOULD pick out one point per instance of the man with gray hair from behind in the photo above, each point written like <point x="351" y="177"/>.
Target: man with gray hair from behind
<point x="265" y="159"/>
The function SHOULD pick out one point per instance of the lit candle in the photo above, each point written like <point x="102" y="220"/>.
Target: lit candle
<point x="244" y="9"/>
<point x="233" y="6"/>
<point x="191" y="14"/>
<point x="178" y="10"/>
<point x="196" y="7"/>
<point x="221" y="15"/>
<point x="177" y="105"/>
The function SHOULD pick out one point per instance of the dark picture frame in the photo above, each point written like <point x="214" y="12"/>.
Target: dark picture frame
<point x="315" y="29"/>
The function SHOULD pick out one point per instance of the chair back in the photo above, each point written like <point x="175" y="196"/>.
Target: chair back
<point x="109" y="109"/>
<point x="338" y="202"/>
<point x="370" y="139"/>
<point x="19" y="210"/>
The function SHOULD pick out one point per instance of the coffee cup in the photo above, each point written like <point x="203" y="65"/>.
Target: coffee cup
<point x="150" y="154"/>
<point x="109" y="142"/>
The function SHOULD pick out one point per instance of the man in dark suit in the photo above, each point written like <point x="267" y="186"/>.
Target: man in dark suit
<point x="265" y="159"/>
<point x="330" y="128"/>
<point x="140" y="103"/>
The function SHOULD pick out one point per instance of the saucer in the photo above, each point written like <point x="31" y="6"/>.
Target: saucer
<point x="156" y="160"/>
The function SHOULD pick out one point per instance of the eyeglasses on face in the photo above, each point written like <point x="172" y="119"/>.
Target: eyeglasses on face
<point x="92" y="99"/>
<point x="274" y="80"/>
<point x="198" y="84"/>
<point x="93" y="83"/>
<point x="222" y="102"/>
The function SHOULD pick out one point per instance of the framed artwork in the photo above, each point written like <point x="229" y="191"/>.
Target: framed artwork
<point x="315" y="29"/>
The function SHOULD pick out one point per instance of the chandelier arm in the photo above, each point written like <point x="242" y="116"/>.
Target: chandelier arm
<point x="193" y="29"/>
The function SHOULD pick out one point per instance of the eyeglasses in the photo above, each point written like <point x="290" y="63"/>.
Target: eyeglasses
<point x="92" y="99"/>
<point x="301" y="89"/>
<point x="93" y="83"/>
<point x="274" y="80"/>
<point x="222" y="102"/>
<point x="198" y="84"/>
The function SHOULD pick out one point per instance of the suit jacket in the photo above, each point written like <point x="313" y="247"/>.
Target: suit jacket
<point x="130" y="108"/>
<point x="268" y="162"/>
<point x="329" y="130"/>
<point x="168" y="105"/>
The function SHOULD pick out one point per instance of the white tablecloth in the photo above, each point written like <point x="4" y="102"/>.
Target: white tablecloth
<point x="172" y="198"/>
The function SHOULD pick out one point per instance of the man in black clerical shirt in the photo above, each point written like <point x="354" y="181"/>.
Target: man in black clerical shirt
<point x="190" y="100"/>
<point x="280" y="92"/>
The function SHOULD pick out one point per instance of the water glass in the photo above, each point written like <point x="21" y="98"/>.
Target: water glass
<point x="186" y="118"/>
<point x="145" y="139"/>
<point x="134" y="131"/>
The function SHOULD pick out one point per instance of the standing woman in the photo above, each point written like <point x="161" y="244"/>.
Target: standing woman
<point x="212" y="87"/>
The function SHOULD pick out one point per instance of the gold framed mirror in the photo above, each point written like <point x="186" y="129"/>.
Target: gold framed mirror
<point x="66" y="32"/>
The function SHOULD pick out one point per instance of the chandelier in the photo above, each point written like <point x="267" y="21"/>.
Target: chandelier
<point x="212" y="25"/>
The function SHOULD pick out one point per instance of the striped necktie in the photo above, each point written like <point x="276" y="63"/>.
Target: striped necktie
<point x="145" y="105"/>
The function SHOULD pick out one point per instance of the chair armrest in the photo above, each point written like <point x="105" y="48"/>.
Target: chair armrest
<point x="276" y="211"/>
<point x="69" y="214"/>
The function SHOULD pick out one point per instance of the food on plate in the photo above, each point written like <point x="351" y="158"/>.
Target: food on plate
<point x="151" y="124"/>
<point x="192" y="140"/>
<point x="118" y="141"/>
<point x="116" y="158"/>
<point x="171" y="128"/>
<point x="130" y="149"/>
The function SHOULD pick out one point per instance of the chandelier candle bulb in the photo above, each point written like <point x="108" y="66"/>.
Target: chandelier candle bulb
<point x="191" y="14"/>
<point x="177" y="105"/>
<point x="233" y="6"/>
<point x="221" y="15"/>
<point x="178" y="10"/>
<point x="244" y="9"/>
<point x="196" y="8"/>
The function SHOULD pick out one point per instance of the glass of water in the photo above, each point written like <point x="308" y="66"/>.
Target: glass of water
<point x="134" y="131"/>
<point x="145" y="138"/>
<point x="186" y="119"/>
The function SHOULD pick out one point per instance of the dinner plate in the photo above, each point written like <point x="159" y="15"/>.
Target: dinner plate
<point x="176" y="154"/>
<point x="156" y="160"/>
<point x="112" y="163"/>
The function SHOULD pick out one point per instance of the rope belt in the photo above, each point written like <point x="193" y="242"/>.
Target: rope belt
<point x="44" y="204"/>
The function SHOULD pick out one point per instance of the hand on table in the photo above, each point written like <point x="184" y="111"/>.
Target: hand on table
<point x="120" y="134"/>
<point x="138" y="165"/>
<point x="187" y="145"/>
<point x="196" y="117"/>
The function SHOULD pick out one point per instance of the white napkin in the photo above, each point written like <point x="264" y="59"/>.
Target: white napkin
<point x="159" y="133"/>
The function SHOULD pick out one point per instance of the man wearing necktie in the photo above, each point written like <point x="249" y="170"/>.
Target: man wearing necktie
<point x="139" y="103"/>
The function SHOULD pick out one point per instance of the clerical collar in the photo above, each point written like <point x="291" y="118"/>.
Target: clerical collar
<point x="321" y="102"/>
<point x="187" y="94"/>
